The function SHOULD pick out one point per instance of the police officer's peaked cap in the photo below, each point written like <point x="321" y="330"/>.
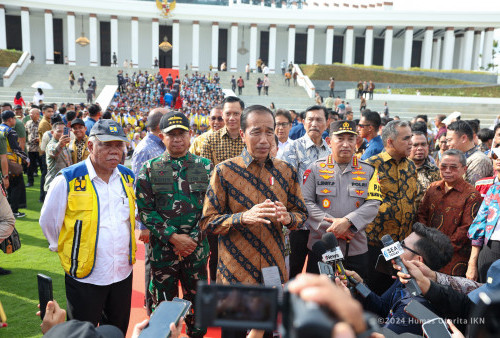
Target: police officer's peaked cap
<point x="344" y="126"/>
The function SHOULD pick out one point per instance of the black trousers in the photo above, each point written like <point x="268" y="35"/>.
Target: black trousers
<point x="378" y="282"/>
<point x="299" y="250"/>
<point x="15" y="192"/>
<point x="35" y="160"/>
<point x="358" y="263"/>
<point x="100" y="304"/>
<point x="487" y="256"/>
<point x="213" y="242"/>
<point x="43" y="172"/>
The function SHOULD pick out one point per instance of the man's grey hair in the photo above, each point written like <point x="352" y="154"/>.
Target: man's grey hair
<point x="390" y="130"/>
<point x="457" y="153"/>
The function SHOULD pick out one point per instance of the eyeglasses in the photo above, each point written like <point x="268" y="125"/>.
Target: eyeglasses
<point x="283" y="124"/>
<point x="364" y="125"/>
<point x="218" y="118"/>
<point x="407" y="248"/>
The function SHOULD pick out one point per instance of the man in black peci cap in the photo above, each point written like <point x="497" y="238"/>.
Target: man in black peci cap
<point x="89" y="218"/>
<point x="342" y="196"/>
<point x="78" y="146"/>
<point x="170" y="193"/>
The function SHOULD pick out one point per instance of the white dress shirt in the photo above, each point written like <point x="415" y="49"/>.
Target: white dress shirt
<point x="112" y="253"/>
<point x="281" y="147"/>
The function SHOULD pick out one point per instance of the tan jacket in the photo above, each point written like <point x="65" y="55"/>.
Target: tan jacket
<point x="7" y="220"/>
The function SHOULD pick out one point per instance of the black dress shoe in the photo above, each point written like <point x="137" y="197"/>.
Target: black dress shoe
<point x="5" y="272"/>
<point x="29" y="185"/>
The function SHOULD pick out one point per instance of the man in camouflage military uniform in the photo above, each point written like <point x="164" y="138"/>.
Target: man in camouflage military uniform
<point x="170" y="193"/>
<point x="342" y="196"/>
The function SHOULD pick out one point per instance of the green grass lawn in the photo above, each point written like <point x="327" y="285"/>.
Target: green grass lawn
<point x="19" y="291"/>
<point x="489" y="91"/>
<point x="8" y="56"/>
<point x="346" y="73"/>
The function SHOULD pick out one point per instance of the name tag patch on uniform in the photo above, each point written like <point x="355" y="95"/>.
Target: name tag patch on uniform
<point x="357" y="178"/>
<point x="326" y="203"/>
<point x="306" y="175"/>
<point x="326" y="177"/>
<point x="325" y="183"/>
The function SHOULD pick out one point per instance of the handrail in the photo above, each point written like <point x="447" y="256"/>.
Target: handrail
<point x="16" y="69"/>
<point x="304" y="81"/>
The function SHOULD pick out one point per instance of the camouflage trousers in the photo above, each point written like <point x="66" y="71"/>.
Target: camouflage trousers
<point x="165" y="277"/>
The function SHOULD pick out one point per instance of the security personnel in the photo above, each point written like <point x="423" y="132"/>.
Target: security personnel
<point x="342" y="196"/>
<point x="170" y="193"/>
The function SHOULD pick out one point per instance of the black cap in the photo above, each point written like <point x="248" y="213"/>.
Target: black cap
<point x="7" y="114"/>
<point x="108" y="130"/>
<point x="174" y="120"/>
<point x="344" y="126"/>
<point x="18" y="106"/>
<point x="77" y="121"/>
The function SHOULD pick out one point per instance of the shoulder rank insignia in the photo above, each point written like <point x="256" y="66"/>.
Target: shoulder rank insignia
<point x="354" y="161"/>
<point x="326" y="177"/>
<point x="326" y="203"/>
<point x="329" y="160"/>
<point x="357" y="178"/>
<point x="325" y="191"/>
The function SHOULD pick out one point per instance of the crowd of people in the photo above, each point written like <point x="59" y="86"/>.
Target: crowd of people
<point x="224" y="192"/>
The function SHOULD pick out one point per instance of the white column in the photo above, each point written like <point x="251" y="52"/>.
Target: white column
<point x="291" y="43"/>
<point x="175" y="44"/>
<point x="458" y="56"/>
<point x="114" y="39"/>
<point x="388" y="47"/>
<point x="253" y="46"/>
<point x="368" y="46"/>
<point x="488" y="47"/>
<point x="134" y="36"/>
<point x="349" y="45"/>
<point x="25" y="29"/>
<point x="234" y="47"/>
<point x="155" y="40"/>
<point x="195" y="61"/>
<point x="93" y="39"/>
<point x="272" y="48"/>
<point x="448" y="48"/>
<point x="3" y="29"/>
<point x="215" y="46"/>
<point x="427" y="48"/>
<point x="70" y="23"/>
<point x="436" y="53"/>
<point x="310" y="45"/>
<point x="49" y="38"/>
<point x="467" y="48"/>
<point x="408" y="47"/>
<point x="329" y="45"/>
<point x="476" y="50"/>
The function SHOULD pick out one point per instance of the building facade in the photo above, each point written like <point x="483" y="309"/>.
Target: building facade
<point x="206" y="33"/>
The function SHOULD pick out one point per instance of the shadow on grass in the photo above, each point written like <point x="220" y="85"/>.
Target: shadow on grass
<point x="32" y="240"/>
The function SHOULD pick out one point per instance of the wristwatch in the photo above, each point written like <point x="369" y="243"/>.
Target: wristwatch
<point x="5" y="176"/>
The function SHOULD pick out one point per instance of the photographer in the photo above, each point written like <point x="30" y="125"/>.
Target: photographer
<point x="426" y="245"/>
<point x="58" y="155"/>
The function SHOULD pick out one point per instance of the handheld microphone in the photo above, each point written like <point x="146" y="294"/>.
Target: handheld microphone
<point x="332" y="245"/>
<point x="412" y="285"/>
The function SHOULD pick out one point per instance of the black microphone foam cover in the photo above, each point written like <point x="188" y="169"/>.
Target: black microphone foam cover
<point x="319" y="248"/>
<point x="387" y="240"/>
<point x="330" y="241"/>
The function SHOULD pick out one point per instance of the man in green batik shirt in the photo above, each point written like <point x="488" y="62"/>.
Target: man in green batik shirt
<point x="170" y="192"/>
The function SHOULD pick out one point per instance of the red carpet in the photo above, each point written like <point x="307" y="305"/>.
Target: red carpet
<point x="137" y="312"/>
<point x="165" y="71"/>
